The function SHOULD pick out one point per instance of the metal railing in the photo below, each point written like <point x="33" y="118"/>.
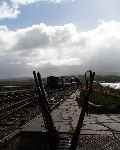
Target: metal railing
<point x="46" y="111"/>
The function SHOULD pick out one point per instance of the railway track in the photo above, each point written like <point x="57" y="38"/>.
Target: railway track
<point x="8" y="98"/>
<point x="16" y="108"/>
<point x="9" y="110"/>
<point x="19" y="107"/>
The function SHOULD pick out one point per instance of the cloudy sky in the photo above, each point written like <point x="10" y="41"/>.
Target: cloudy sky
<point x="59" y="37"/>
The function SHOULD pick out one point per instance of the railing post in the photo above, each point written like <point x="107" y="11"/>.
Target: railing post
<point x="42" y="90"/>
<point x="44" y="108"/>
<point x="53" y="136"/>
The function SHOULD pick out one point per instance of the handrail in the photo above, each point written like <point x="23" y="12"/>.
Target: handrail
<point x="84" y="110"/>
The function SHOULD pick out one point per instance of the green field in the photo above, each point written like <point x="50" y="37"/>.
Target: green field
<point x="110" y="103"/>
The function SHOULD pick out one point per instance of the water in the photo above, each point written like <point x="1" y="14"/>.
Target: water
<point x="9" y="86"/>
<point x="111" y="85"/>
<point x="6" y="88"/>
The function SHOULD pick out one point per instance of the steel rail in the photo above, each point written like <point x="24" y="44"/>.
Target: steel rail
<point x="10" y="112"/>
<point x="16" y="91"/>
<point x="14" y="105"/>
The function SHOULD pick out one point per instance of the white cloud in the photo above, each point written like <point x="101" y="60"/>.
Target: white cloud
<point x="61" y="47"/>
<point x="8" y="10"/>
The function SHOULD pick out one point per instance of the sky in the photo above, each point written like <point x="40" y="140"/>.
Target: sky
<point x="59" y="37"/>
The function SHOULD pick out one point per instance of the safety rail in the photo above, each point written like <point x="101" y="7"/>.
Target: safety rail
<point x="54" y="139"/>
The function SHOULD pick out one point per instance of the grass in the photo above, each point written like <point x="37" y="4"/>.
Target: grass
<point x="111" y="104"/>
